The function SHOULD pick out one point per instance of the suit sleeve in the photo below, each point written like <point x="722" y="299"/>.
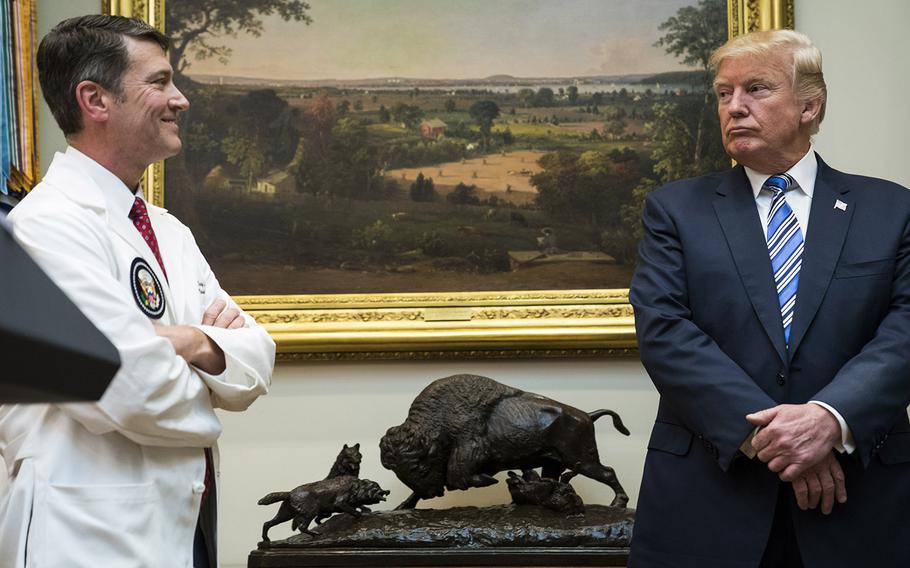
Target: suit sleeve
<point x="873" y="388"/>
<point x="249" y="353"/>
<point x="705" y="389"/>
<point x="155" y="398"/>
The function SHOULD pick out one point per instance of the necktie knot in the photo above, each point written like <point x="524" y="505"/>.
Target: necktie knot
<point x="780" y="183"/>
<point x="139" y="211"/>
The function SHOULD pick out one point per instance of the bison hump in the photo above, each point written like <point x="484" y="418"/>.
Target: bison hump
<point x="528" y="413"/>
<point x="462" y="394"/>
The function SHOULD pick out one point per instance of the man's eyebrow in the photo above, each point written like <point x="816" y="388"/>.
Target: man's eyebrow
<point x="749" y="81"/>
<point x="158" y="73"/>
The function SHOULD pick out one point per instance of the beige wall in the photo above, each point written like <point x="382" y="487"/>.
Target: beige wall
<point x="865" y="47"/>
<point x="51" y="12"/>
<point x="292" y="436"/>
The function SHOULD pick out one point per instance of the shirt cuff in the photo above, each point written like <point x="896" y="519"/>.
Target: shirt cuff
<point x="847" y="444"/>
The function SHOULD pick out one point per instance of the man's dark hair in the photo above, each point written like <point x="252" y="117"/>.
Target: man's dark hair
<point x="87" y="48"/>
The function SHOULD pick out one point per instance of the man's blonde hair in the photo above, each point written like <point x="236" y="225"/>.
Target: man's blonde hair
<point x="808" y="79"/>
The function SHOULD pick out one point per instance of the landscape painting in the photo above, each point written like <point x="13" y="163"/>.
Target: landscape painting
<point x="375" y="147"/>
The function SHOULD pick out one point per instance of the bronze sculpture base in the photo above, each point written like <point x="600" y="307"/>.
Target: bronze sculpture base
<point x="505" y="535"/>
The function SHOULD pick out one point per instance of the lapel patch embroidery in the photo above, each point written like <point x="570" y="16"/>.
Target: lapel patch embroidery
<point x="146" y="289"/>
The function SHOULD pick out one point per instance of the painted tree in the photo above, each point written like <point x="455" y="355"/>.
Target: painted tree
<point x="587" y="189"/>
<point x="463" y="194"/>
<point x="319" y="120"/>
<point x="526" y="97"/>
<point x="682" y="144"/>
<point x="408" y="115"/>
<point x="196" y="29"/>
<point x="262" y="135"/>
<point x="484" y="113"/>
<point x="692" y="35"/>
<point x="615" y="127"/>
<point x="422" y="189"/>
<point x="354" y="161"/>
<point x="242" y="150"/>
<point x="339" y="163"/>
<point x="672" y="143"/>
<point x="544" y="97"/>
<point x="195" y="26"/>
<point x="311" y="155"/>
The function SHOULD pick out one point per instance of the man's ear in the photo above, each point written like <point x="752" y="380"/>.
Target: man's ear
<point x="94" y="100"/>
<point x="811" y="109"/>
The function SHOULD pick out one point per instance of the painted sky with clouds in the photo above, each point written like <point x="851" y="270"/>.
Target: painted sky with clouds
<point x="446" y="39"/>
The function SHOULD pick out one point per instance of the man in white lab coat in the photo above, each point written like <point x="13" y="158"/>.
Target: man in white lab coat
<point x="129" y="480"/>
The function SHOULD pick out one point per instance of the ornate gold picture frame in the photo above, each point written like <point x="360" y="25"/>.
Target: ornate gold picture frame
<point x="502" y="324"/>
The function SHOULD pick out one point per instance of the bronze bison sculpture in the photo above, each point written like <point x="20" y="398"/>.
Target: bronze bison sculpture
<point x="464" y="429"/>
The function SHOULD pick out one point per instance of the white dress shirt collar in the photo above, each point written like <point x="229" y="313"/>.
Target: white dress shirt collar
<point x="803" y="172"/>
<point x="118" y="197"/>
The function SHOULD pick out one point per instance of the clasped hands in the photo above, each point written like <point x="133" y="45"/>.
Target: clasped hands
<point x="196" y="347"/>
<point x="796" y="441"/>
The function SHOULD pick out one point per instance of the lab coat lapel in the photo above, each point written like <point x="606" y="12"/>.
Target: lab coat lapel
<point x="125" y="229"/>
<point x="170" y="245"/>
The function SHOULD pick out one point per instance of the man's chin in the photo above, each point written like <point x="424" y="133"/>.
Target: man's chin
<point x="172" y="150"/>
<point x="742" y="151"/>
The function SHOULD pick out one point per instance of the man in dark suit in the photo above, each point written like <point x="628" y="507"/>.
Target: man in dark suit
<point x="772" y="305"/>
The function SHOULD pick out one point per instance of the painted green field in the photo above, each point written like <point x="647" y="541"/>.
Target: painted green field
<point x="314" y="246"/>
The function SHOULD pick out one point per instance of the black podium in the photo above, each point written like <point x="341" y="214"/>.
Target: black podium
<point x="49" y="351"/>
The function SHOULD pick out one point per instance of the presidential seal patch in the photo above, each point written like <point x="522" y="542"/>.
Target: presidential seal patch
<point x="146" y="289"/>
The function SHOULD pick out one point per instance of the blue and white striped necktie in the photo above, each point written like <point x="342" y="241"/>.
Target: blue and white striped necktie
<point x="785" y="247"/>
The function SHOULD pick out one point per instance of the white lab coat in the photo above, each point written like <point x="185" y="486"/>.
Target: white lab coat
<point x="119" y="482"/>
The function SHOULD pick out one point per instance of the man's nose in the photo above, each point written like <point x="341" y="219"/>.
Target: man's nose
<point x="178" y="101"/>
<point x="737" y="105"/>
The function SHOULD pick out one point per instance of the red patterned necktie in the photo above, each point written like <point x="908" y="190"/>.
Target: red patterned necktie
<point x="140" y="216"/>
<point x="209" y="474"/>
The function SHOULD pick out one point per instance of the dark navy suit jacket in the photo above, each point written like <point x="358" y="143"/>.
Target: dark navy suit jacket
<point x="711" y="338"/>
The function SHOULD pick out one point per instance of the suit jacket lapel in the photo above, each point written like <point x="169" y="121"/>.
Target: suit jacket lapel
<point x="825" y="239"/>
<point x="738" y="216"/>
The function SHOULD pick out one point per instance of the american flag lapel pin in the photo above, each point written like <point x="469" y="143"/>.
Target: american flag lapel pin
<point x="840" y="205"/>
